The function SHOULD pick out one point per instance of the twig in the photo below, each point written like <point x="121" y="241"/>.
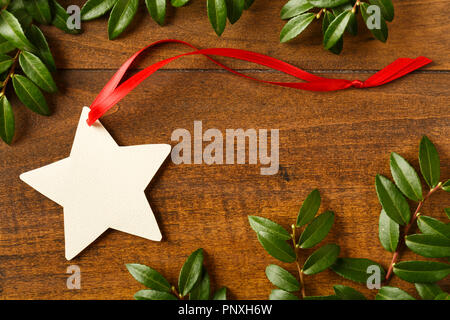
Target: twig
<point x="408" y="227"/>
<point x="299" y="269"/>
<point x="10" y="73"/>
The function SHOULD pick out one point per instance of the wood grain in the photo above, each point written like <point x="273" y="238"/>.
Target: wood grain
<point x="419" y="29"/>
<point x="336" y="142"/>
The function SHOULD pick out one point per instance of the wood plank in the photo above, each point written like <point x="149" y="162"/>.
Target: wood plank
<point x="336" y="142"/>
<point x="418" y="29"/>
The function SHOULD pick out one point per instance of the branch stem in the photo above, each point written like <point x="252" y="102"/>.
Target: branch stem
<point x="408" y="227"/>
<point x="297" y="257"/>
<point x="175" y="292"/>
<point x="10" y="73"/>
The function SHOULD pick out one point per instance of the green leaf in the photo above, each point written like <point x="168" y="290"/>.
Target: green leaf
<point x="203" y="288"/>
<point x="6" y="120"/>
<point x="11" y="30"/>
<point x="157" y="10"/>
<point x="248" y="4"/>
<point x="328" y="17"/>
<point x="36" y="70"/>
<point x="429" y="245"/>
<point x="381" y="33"/>
<point x="282" y="278"/>
<point x="430" y="225"/>
<point x="43" y="51"/>
<point x="421" y="271"/>
<point x="266" y="225"/>
<point x="60" y="18"/>
<point x="295" y="26"/>
<point x="220" y="294"/>
<point x="388" y="232"/>
<point x="23" y="17"/>
<point x="39" y="10"/>
<point x="148" y="277"/>
<point x="429" y="162"/>
<point x="332" y="297"/>
<point x="93" y="9"/>
<point x="317" y="230"/>
<point x="309" y="208"/>
<point x="393" y="202"/>
<point x="336" y="29"/>
<point x="352" y="26"/>
<point x="347" y="293"/>
<point x="443" y="296"/>
<point x="277" y="248"/>
<point x="327" y="3"/>
<point x="5" y="62"/>
<point x="446" y="186"/>
<point x="278" y="294"/>
<point x="295" y="7"/>
<point x="321" y="259"/>
<point x="234" y="9"/>
<point x="392" y="293"/>
<point x="386" y="8"/>
<point x="16" y="5"/>
<point x="447" y="212"/>
<point x="217" y="14"/>
<point x="121" y="16"/>
<point x="6" y="46"/>
<point x="406" y="178"/>
<point x="153" y="295"/>
<point x="178" y="3"/>
<point x="355" y="269"/>
<point x="30" y="95"/>
<point x="428" y="291"/>
<point x="190" y="272"/>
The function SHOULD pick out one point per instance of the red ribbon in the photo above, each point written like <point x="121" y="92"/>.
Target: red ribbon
<point x="113" y="92"/>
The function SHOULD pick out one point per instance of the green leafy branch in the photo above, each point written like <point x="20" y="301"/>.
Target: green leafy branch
<point x="122" y="12"/>
<point x="434" y="239"/>
<point x="432" y="242"/>
<point x="339" y="16"/>
<point x="307" y="232"/>
<point x="25" y="57"/>
<point x="193" y="282"/>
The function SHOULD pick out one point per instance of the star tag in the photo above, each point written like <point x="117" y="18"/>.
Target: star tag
<point x="101" y="185"/>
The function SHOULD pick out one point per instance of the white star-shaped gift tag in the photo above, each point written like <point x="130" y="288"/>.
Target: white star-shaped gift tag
<point x="101" y="186"/>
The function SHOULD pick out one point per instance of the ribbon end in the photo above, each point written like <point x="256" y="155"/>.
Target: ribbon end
<point x="425" y="60"/>
<point x="91" y="117"/>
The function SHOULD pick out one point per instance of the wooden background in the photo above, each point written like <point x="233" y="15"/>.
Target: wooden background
<point x="336" y="142"/>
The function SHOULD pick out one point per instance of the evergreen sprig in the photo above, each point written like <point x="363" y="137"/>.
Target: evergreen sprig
<point x="397" y="222"/>
<point x="338" y="17"/>
<point x="122" y="12"/>
<point x="193" y="282"/>
<point x="25" y="58"/>
<point x="308" y="231"/>
<point x="395" y="225"/>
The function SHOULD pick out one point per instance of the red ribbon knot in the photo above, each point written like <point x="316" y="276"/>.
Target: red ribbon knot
<point x="357" y="84"/>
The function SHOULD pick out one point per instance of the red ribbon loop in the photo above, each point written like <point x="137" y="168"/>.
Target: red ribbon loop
<point x="113" y="92"/>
